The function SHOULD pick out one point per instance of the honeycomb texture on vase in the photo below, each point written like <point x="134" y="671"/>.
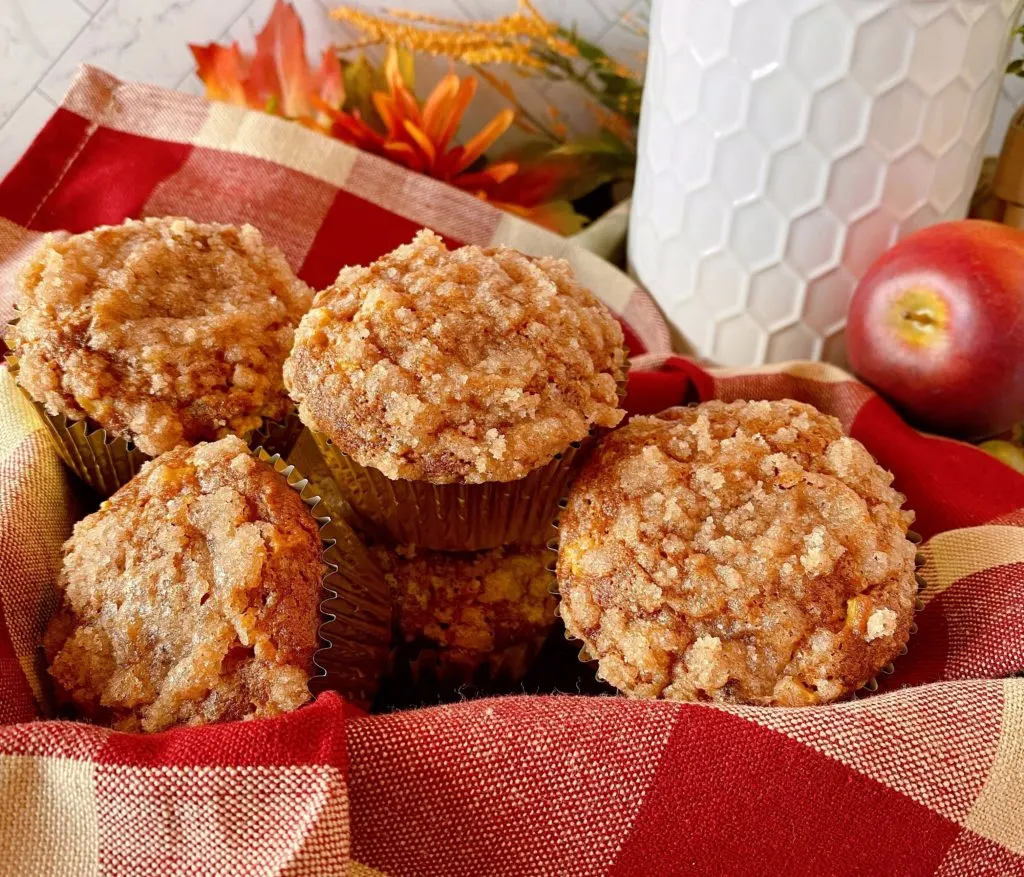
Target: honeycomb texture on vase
<point x="784" y="146"/>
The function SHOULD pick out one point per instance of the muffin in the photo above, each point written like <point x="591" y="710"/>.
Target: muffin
<point x="747" y="552"/>
<point x="446" y="386"/>
<point x="465" y="618"/>
<point x="159" y="332"/>
<point x="191" y="596"/>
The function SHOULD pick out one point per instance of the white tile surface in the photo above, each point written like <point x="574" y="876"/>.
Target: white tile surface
<point x="22" y="126"/>
<point x="832" y="134"/>
<point x="145" y="40"/>
<point x="33" y="35"/>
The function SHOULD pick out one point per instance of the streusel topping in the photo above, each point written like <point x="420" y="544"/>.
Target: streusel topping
<point x="162" y="331"/>
<point x="469" y="365"/>
<point x="746" y="552"/>
<point x="191" y="596"/>
<point x="470" y="604"/>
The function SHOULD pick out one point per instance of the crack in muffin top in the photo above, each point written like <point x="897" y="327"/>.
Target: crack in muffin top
<point x="470" y="365"/>
<point x="191" y="596"/>
<point x="747" y="552"/>
<point x="162" y="331"/>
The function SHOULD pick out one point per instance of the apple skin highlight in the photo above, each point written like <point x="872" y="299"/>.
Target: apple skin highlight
<point x="937" y="326"/>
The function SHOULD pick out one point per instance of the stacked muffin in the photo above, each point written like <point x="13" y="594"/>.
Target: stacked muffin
<point x="453" y="393"/>
<point x="194" y="593"/>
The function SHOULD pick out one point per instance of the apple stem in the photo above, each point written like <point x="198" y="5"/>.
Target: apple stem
<point x="921" y="318"/>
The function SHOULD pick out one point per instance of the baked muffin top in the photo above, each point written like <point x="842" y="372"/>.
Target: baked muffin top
<point x="470" y="365"/>
<point x="747" y="552"/>
<point x="162" y="331"/>
<point x="191" y="596"/>
<point x="470" y="605"/>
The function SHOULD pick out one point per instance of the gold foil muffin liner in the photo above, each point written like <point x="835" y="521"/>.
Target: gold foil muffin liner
<point x="455" y="517"/>
<point x="101" y="460"/>
<point x="356" y="630"/>
<point x="871" y="685"/>
<point x="277" y="436"/>
<point x="106" y="462"/>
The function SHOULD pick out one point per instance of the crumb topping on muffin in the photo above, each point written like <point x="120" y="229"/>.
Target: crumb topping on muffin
<point x="470" y="605"/>
<point x="745" y="552"/>
<point x="191" y="596"/>
<point x="472" y="365"/>
<point x="162" y="331"/>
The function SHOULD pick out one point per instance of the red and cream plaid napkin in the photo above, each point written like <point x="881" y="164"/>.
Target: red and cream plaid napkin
<point x="926" y="777"/>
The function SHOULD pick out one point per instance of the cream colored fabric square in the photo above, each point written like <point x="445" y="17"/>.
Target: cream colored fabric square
<point x="956" y="554"/>
<point x="235" y="129"/>
<point x="997" y="811"/>
<point x="49" y="825"/>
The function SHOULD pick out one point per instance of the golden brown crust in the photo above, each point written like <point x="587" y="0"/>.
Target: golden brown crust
<point x="191" y="596"/>
<point x="162" y="331"/>
<point x="746" y="552"/>
<point x="472" y="365"/>
<point x="470" y="605"/>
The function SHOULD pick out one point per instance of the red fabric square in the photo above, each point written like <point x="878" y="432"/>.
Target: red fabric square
<point x="110" y="179"/>
<point x="733" y="798"/>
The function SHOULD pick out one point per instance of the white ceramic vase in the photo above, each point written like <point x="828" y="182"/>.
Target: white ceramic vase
<point x="785" y="144"/>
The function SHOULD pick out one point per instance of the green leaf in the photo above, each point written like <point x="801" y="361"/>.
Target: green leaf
<point x="604" y="143"/>
<point x="588" y="50"/>
<point x="362" y="79"/>
<point x="407" y="66"/>
<point x="558" y="216"/>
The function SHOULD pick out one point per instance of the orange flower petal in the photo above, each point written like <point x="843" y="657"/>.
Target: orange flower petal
<point x="485" y="137"/>
<point x="403" y="98"/>
<point x="222" y="69"/>
<point x="422" y="141"/>
<point x="467" y="88"/>
<point x="438" y="106"/>
<point x="492" y="174"/>
<point x="403" y="153"/>
<point x="280" y="67"/>
<point x="348" y="126"/>
<point x="387" y="111"/>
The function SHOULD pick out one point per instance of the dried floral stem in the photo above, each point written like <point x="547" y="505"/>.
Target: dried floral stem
<point x="535" y="125"/>
<point x="524" y="39"/>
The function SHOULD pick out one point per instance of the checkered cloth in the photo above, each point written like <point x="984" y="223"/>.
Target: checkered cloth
<point x="926" y="777"/>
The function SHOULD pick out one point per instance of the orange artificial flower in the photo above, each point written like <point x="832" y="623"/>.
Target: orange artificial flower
<point x="277" y="78"/>
<point x="420" y="137"/>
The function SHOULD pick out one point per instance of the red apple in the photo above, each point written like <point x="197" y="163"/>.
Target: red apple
<point x="937" y="326"/>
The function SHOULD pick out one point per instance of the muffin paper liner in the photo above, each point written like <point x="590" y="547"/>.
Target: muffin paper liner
<point x="356" y="629"/>
<point x="455" y="517"/>
<point x="106" y="462"/>
<point x="277" y="436"/>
